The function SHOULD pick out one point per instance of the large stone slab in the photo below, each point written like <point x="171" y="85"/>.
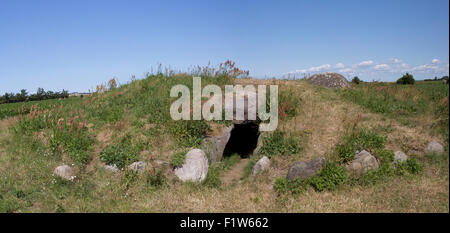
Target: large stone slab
<point x="306" y="169"/>
<point x="194" y="168"/>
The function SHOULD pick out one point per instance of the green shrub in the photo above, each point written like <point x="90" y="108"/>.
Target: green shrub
<point x="284" y="186"/>
<point x="384" y="155"/>
<point x="384" y="172"/>
<point x="178" y="159"/>
<point x="277" y="143"/>
<point x="411" y="166"/>
<point x="388" y="170"/>
<point x="356" y="80"/>
<point x="406" y="79"/>
<point x="228" y="161"/>
<point x="248" y="168"/>
<point x="157" y="180"/>
<point x="212" y="179"/>
<point x="189" y="133"/>
<point x="330" y="177"/>
<point x="363" y="140"/>
<point x="119" y="154"/>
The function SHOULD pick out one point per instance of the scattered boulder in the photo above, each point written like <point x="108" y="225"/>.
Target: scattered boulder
<point x="112" y="168"/>
<point x="64" y="171"/>
<point x="364" y="162"/>
<point x="261" y="165"/>
<point x="138" y="167"/>
<point x="434" y="147"/>
<point x="332" y="80"/>
<point x="194" y="168"/>
<point x="400" y="157"/>
<point x="306" y="169"/>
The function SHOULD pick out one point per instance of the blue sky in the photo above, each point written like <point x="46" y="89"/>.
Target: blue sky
<point x="76" y="45"/>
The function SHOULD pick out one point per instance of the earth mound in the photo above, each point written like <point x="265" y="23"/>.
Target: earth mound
<point x="333" y="80"/>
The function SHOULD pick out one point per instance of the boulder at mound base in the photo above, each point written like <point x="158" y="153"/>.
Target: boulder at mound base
<point x="400" y="157"/>
<point x="214" y="145"/>
<point x="434" y="147"/>
<point x="306" y="169"/>
<point x="333" y="80"/>
<point x="364" y="162"/>
<point x="261" y="165"/>
<point x="194" y="168"/>
<point x="64" y="171"/>
<point x="138" y="167"/>
<point x="112" y="168"/>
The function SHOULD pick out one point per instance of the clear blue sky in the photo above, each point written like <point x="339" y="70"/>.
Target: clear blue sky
<point x="77" y="44"/>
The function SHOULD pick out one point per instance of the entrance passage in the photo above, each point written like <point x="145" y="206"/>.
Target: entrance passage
<point x="243" y="140"/>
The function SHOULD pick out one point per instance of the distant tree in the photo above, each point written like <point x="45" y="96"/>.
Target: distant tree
<point x="7" y="97"/>
<point x="39" y="95"/>
<point x="64" y="94"/>
<point x="406" y="79"/>
<point x="356" y="80"/>
<point x="23" y="95"/>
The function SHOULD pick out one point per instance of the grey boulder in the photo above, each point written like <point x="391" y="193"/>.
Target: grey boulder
<point x="434" y="147"/>
<point x="64" y="171"/>
<point x="306" y="169"/>
<point x="138" y="167"/>
<point x="194" y="168"/>
<point x="261" y="165"/>
<point x="112" y="168"/>
<point x="400" y="157"/>
<point x="364" y="162"/>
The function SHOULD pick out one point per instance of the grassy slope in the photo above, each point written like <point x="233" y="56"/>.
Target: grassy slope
<point x="137" y="114"/>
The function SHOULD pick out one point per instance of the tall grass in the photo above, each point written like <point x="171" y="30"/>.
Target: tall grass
<point x="404" y="102"/>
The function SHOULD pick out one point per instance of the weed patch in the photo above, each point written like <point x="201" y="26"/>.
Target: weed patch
<point x="278" y="143"/>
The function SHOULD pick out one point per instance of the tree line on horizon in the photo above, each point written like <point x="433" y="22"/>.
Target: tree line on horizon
<point x="24" y="96"/>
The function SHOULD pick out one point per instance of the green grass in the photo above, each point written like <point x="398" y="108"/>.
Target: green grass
<point x="178" y="159"/>
<point x="120" y="155"/>
<point x="361" y="140"/>
<point x="404" y="102"/>
<point x="333" y="175"/>
<point x="280" y="143"/>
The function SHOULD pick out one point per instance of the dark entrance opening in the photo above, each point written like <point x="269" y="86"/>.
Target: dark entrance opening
<point x="243" y="140"/>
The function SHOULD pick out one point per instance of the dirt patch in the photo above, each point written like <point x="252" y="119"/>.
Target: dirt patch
<point x="236" y="173"/>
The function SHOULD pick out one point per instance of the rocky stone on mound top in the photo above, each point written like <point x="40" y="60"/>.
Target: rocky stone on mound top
<point x="306" y="169"/>
<point x="194" y="168"/>
<point x="332" y="80"/>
